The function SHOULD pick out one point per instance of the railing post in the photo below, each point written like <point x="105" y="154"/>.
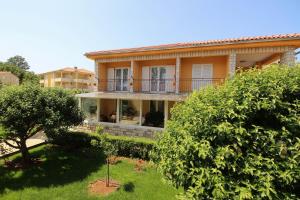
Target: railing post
<point x="177" y="73"/>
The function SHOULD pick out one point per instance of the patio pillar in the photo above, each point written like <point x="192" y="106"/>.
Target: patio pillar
<point x="141" y="112"/>
<point x="288" y="58"/>
<point x="166" y="112"/>
<point x="118" y="111"/>
<point x="177" y="73"/>
<point x="231" y="64"/>
<point x="79" y="102"/>
<point x="98" y="109"/>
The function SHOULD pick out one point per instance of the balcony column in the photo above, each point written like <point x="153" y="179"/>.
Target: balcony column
<point x="231" y="64"/>
<point x="132" y="65"/>
<point x="177" y="73"/>
<point x="288" y="58"/>
<point x="96" y="74"/>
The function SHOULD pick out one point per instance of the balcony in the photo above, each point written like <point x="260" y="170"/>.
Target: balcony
<point x="157" y="85"/>
<point x="154" y="85"/>
<point x="115" y="85"/>
<point x="190" y="85"/>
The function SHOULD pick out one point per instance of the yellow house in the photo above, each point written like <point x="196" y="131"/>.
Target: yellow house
<point x="69" y="78"/>
<point x="7" y="78"/>
<point x="137" y="87"/>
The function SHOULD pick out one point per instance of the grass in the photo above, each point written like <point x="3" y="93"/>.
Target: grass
<point x="67" y="174"/>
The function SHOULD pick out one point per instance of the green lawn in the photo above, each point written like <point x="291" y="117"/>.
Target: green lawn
<point x="66" y="175"/>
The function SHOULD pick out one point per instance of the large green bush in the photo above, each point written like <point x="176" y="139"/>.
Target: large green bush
<point x="237" y="141"/>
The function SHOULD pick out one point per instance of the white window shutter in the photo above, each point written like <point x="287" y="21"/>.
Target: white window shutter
<point x="145" y="79"/>
<point x="110" y="79"/>
<point x="170" y="78"/>
<point x="202" y="75"/>
<point x="207" y="74"/>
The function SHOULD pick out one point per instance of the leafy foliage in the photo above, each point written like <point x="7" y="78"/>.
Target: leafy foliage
<point x="28" y="109"/>
<point x="18" y="61"/>
<point x="237" y="141"/>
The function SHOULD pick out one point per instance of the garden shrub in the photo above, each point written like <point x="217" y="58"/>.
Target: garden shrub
<point x="132" y="146"/>
<point x="237" y="141"/>
<point x="72" y="139"/>
<point x="125" y="146"/>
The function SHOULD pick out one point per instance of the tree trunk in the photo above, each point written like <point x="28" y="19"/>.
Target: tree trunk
<point x="24" y="151"/>
<point x="107" y="181"/>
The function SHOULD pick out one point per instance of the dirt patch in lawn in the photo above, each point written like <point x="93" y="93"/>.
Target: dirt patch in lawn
<point x="99" y="187"/>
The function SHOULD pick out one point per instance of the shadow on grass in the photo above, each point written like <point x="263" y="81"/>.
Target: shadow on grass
<point x="128" y="187"/>
<point x="58" y="167"/>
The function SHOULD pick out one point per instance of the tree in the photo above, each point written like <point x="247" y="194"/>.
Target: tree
<point x="103" y="143"/>
<point x="23" y="75"/>
<point x="237" y="141"/>
<point x="18" y="61"/>
<point x="28" y="109"/>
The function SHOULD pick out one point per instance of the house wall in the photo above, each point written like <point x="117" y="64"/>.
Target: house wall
<point x="220" y="68"/>
<point x="108" y="106"/>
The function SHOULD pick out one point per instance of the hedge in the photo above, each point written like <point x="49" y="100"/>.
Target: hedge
<point x="132" y="146"/>
<point x="125" y="146"/>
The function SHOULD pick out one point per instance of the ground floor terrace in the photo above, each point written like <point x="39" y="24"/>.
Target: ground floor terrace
<point x="135" y="114"/>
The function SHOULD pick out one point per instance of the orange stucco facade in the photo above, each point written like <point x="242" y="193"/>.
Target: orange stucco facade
<point x="220" y="69"/>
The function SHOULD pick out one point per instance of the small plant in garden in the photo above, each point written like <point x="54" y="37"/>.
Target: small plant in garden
<point x="108" y="149"/>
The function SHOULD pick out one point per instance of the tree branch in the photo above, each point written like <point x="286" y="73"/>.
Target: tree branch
<point x="9" y="144"/>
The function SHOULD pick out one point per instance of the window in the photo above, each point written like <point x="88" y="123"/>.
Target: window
<point x="129" y="111"/>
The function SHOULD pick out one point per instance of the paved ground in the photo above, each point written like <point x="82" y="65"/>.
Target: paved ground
<point x="35" y="140"/>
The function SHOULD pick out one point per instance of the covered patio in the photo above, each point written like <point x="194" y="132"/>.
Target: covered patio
<point x="128" y="109"/>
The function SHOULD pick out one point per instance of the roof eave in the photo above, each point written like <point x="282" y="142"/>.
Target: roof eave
<point x="94" y="55"/>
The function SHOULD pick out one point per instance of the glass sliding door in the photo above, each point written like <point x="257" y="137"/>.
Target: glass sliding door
<point x="162" y="79"/>
<point x="154" y="79"/>
<point x="122" y="76"/>
<point x="158" y="79"/>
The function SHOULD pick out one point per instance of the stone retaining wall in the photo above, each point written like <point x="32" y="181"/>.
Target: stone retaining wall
<point x="128" y="130"/>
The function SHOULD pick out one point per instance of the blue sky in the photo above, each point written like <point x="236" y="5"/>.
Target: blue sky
<point x="55" y="33"/>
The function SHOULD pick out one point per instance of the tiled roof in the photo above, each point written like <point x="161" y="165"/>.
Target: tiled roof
<point x="198" y="43"/>
<point x="71" y="69"/>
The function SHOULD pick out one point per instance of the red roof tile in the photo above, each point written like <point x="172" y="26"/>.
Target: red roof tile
<point x="197" y="44"/>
